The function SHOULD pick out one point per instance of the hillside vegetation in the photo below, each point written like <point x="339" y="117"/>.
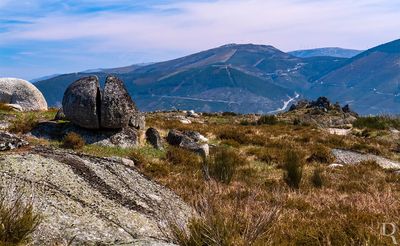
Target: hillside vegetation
<point x="267" y="180"/>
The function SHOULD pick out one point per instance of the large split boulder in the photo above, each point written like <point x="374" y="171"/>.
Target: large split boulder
<point x="87" y="106"/>
<point x="21" y="95"/>
<point x="81" y="102"/>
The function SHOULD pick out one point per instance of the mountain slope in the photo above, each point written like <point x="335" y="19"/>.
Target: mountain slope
<point x="243" y="78"/>
<point x="331" y="51"/>
<point x="370" y="82"/>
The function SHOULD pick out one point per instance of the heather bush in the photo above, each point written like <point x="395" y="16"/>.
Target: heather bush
<point x="73" y="141"/>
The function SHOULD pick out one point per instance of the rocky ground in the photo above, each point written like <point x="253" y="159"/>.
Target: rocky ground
<point x="90" y="200"/>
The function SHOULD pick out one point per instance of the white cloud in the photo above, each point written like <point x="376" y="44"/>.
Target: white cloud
<point x="286" y="24"/>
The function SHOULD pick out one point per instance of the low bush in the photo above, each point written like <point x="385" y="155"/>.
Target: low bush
<point x="267" y="120"/>
<point x="223" y="163"/>
<point x="23" y="123"/>
<point x="73" y="141"/>
<point x="18" y="219"/>
<point x="293" y="169"/>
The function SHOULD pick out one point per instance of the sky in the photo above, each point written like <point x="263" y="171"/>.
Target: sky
<point x="45" y="37"/>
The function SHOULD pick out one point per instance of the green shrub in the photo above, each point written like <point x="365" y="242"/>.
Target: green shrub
<point x="223" y="163"/>
<point x="317" y="179"/>
<point x="293" y="169"/>
<point x="267" y="120"/>
<point x="23" y="123"/>
<point x="377" y="122"/>
<point x="18" y="219"/>
<point x="73" y="141"/>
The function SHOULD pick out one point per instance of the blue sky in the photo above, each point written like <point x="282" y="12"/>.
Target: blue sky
<point x="43" y="37"/>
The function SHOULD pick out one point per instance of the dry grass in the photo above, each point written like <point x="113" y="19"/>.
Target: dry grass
<point x="253" y="205"/>
<point x="23" y="123"/>
<point x="18" y="219"/>
<point x="73" y="141"/>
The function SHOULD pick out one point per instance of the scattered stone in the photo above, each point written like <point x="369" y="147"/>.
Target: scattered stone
<point x="177" y="138"/>
<point x="192" y="114"/>
<point x="339" y="131"/>
<point x="81" y="102"/>
<point x="60" y="115"/>
<point x="154" y="138"/>
<point x="335" y="165"/>
<point x="22" y="93"/>
<point x="87" y="200"/>
<point x="196" y="136"/>
<point x="347" y="157"/>
<point x="9" y="141"/>
<point x="117" y="107"/>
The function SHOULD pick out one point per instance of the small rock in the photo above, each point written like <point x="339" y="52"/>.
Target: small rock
<point x="335" y="165"/>
<point x="154" y="138"/>
<point x="60" y="115"/>
<point x="192" y="114"/>
<point x="196" y="136"/>
<point x="9" y="141"/>
<point x="177" y="138"/>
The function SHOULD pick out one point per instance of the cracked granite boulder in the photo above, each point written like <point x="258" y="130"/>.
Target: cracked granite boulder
<point x="86" y="200"/>
<point x="86" y="105"/>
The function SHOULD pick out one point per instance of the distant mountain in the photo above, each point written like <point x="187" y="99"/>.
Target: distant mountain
<point x="44" y="78"/>
<point x="243" y="78"/>
<point x="370" y="81"/>
<point x="331" y="51"/>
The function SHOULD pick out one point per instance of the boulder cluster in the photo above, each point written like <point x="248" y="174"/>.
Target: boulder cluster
<point x="322" y="104"/>
<point x="87" y="105"/>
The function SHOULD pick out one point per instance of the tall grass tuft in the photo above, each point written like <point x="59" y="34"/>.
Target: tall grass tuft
<point x="23" y="123"/>
<point x="223" y="163"/>
<point x="293" y="169"/>
<point x="18" y="220"/>
<point x="226" y="223"/>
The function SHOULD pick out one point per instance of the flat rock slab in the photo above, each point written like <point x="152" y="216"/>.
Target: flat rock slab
<point x="339" y="131"/>
<point x="90" y="200"/>
<point x="350" y="157"/>
<point x="124" y="138"/>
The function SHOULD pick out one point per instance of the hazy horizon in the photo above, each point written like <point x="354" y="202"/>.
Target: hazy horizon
<point x="46" y="37"/>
